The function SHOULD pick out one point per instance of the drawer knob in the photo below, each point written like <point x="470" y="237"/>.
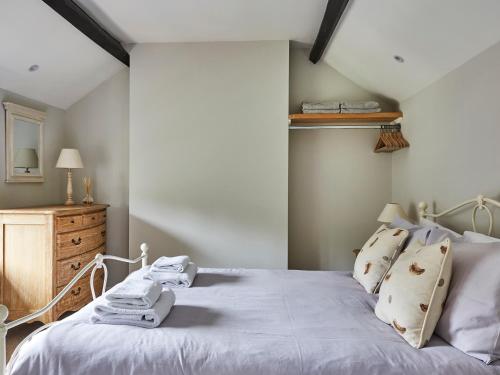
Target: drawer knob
<point x="103" y="233"/>
<point x="93" y="217"/>
<point x="76" y="292"/>
<point x="72" y="222"/>
<point x="76" y="242"/>
<point x="77" y="267"/>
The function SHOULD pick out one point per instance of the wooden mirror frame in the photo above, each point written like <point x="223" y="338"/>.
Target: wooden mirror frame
<point x="18" y="112"/>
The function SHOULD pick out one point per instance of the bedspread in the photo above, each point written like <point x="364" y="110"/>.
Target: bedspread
<point x="247" y="322"/>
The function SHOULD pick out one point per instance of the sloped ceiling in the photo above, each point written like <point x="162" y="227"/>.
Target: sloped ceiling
<point x="433" y="37"/>
<point x="71" y="65"/>
<point x="161" y="21"/>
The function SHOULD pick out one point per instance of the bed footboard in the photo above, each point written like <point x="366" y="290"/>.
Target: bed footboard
<point x="96" y="263"/>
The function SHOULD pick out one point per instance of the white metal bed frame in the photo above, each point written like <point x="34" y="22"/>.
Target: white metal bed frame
<point x="479" y="204"/>
<point x="97" y="263"/>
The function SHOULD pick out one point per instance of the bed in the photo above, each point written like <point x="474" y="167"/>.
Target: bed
<point x="236" y="321"/>
<point x="244" y="322"/>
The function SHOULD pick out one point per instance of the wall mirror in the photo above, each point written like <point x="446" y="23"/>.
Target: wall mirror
<point x="24" y="143"/>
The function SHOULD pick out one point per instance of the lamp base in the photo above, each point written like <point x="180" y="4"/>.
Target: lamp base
<point x="69" y="202"/>
<point x="69" y="190"/>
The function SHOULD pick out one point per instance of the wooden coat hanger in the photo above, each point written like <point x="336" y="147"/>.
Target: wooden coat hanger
<point x="390" y="140"/>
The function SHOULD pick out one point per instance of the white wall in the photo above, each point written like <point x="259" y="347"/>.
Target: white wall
<point x="337" y="185"/>
<point x="34" y="194"/>
<point x="208" y="152"/>
<point x="98" y="125"/>
<point x="453" y="127"/>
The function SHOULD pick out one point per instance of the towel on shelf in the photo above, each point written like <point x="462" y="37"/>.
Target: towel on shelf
<point x="134" y="294"/>
<point x="171" y="264"/>
<point x="359" y="105"/>
<point x="321" y="111"/>
<point x="174" y="280"/>
<point x="358" y="110"/>
<point x="105" y="313"/>
<point x="333" y="104"/>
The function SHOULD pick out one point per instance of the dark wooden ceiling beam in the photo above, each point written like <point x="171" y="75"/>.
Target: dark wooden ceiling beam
<point x="83" y="22"/>
<point x="333" y="13"/>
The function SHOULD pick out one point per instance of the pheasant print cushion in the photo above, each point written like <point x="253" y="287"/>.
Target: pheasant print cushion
<point x="377" y="255"/>
<point x="413" y="292"/>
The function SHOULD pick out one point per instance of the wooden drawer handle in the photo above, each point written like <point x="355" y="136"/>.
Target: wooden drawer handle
<point x="72" y="221"/>
<point x="77" y="292"/>
<point x="93" y="217"/>
<point x="103" y="233"/>
<point x="77" y="267"/>
<point x="77" y="241"/>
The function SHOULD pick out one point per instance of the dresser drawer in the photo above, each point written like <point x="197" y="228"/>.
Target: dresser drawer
<point x="68" y="223"/>
<point x="94" y="218"/>
<point x="68" y="268"/>
<point x="76" y="243"/>
<point x="79" y="295"/>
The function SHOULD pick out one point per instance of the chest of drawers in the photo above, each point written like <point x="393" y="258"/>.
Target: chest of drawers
<point x="41" y="249"/>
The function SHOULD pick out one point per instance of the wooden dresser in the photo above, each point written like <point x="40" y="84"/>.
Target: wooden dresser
<point x="41" y="249"/>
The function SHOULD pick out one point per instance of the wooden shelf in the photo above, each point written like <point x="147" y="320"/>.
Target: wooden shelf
<point x="314" y="119"/>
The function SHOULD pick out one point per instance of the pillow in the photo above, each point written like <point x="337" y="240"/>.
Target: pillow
<point x="454" y="236"/>
<point x="479" y="238"/>
<point x="399" y="222"/>
<point x="429" y="236"/>
<point x="414" y="290"/>
<point x="421" y="236"/>
<point x="377" y="255"/>
<point x="438" y="234"/>
<point x="471" y="316"/>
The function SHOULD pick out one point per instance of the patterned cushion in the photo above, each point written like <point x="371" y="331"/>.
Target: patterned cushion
<point x="414" y="290"/>
<point x="377" y="255"/>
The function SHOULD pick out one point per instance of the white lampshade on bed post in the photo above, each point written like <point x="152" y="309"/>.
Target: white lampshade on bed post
<point x="390" y="212"/>
<point x="69" y="159"/>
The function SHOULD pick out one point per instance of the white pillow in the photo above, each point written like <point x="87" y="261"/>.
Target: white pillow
<point x="454" y="236"/>
<point x="413" y="292"/>
<point x="377" y="255"/>
<point x="479" y="238"/>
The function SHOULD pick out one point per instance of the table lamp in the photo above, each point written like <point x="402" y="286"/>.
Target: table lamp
<point x="26" y="158"/>
<point x="390" y="212"/>
<point x="69" y="158"/>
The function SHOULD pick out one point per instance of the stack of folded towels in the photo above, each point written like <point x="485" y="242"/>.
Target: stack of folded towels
<point x="341" y="107"/>
<point x="141" y="303"/>
<point x="174" y="272"/>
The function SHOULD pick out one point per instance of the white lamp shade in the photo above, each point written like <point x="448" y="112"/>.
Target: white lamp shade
<point x="26" y="158"/>
<point x="390" y="212"/>
<point x="69" y="158"/>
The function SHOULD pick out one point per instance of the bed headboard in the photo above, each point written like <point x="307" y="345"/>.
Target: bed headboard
<point x="480" y="203"/>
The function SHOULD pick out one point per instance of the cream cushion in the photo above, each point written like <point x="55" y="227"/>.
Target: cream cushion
<point x="377" y="255"/>
<point x="413" y="292"/>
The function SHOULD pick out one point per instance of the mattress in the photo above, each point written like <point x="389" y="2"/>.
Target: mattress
<point x="247" y="322"/>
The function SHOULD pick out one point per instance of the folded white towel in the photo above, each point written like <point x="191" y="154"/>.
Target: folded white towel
<point x="104" y="313"/>
<point x="358" y="110"/>
<point x="332" y="104"/>
<point x="174" y="280"/>
<point x="171" y="264"/>
<point x="134" y="294"/>
<point x="321" y="111"/>
<point x="360" y="104"/>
